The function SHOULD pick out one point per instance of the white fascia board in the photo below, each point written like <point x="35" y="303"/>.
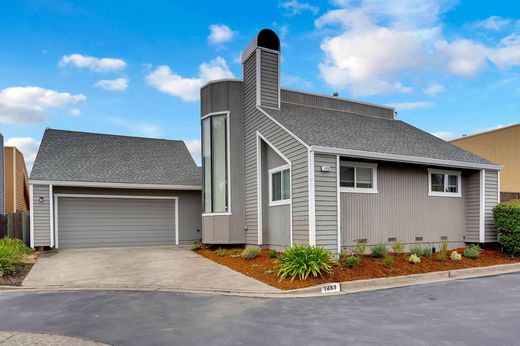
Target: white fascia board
<point x="115" y="185"/>
<point x="402" y="158"/>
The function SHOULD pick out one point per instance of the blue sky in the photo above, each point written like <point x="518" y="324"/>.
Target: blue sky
<point x="135" y="68"/>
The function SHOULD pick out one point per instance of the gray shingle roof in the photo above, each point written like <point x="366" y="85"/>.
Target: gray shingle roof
<point x="92" y="157"/>
<point x="339" y="129"/>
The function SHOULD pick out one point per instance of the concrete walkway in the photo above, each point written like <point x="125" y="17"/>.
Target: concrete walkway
<point x="30" y="339"/>
<point x="163" y="267"/>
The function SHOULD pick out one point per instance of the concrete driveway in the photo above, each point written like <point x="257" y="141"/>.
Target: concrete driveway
<point x="157" y="267"/>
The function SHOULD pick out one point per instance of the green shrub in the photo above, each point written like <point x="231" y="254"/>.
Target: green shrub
<point x="272" y="254"/>
<point x="420" y="251"/>
<point x="12" y="252"/>
<point x="507" y="222"/>
<point x="196" y="246"/>
<point x="250" y="253"/>
<point x="443" y="252"/>
<point x="472" y="251"/>
<point x="221" y="252"/>
<point x="388" y="262"/>
<point x="379" y="251"/>
<point x="301" y="261"/>
<point x="360" y="249"/>
<point x="414" y="259"/>
<point x="351" y="261"/>
<point x="455" y="256"/>
<point x="398" y="247"/>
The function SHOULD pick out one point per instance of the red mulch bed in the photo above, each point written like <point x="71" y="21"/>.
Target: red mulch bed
<point x="263" y="268"/>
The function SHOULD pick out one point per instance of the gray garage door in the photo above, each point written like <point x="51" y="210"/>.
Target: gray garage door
<point x="106" y="222"/>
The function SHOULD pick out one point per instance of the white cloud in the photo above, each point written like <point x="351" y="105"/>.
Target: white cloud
<point x="492" y="23"/>
<point x="28" y="105"/>
<point x="138" y="128"/>
<point x="294" y="7"/>
<point x="446" y="135"/>
<point x="93" y="63"/>
<point x="28" y="146"/>
<point x="194" y="148"/>
<point x="220" y="34"/>
<point x="465" y="57"/>
<point x="507" y="53"/>
<point x="411" y="105"/>
<point x="434" y="89"/>
<point x="74" y="112"/>
<point x="295" y="81"/>
<point x="188" y="88"/>
<point x="119" y="84"/>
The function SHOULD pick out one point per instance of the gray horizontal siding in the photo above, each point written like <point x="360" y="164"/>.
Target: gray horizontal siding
<point x="491" y="199"/>
<point x="190" y="206"/>
<point x="290" y="147"/>
<point x="41" y="215"/>
<point x="473" y="207"/>
<point x="326" y="202"/>
<point x="303" y="98"/>
<point x="402" y="209"/>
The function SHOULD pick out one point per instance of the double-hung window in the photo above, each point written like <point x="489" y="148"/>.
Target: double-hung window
<point x="214" y="161"/>
<point x="358" y="177"/>
<point x="444" y="183"/>
<point x="280" y="185"/>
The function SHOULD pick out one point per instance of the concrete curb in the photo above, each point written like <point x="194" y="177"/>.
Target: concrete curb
<point x="314" y="291"/>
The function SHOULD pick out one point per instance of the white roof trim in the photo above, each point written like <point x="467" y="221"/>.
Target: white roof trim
<point x="403" y="158"/>
<point x="115" y="185"/>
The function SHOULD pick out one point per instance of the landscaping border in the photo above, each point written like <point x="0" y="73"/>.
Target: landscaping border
<point x="347" y="287"/>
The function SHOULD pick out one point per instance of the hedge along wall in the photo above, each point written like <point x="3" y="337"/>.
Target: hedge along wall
<point x="507" y="222"/>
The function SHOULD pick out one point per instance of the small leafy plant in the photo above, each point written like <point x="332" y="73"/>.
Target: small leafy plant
<point x="455" y="256"/>
<point x="398" y="247"/>
<point x="301" y="261"/>
<point x="221" y="252"/>
<point x="472" y="251"/>
<point x="351" y="261"/>
<point x="272" y="254"/>
<point x="12" y="253"/>
<point x="414" y="259"/>
<point x="379" y="251"/>
<point x="360" y="249"/>
<point x="250" y="253"/>
<point x="196" y="246"/>
<point x="388" y="262"/>
<point x="421" y="251"/>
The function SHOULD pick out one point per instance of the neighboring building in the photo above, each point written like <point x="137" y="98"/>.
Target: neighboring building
<point x="282" y="167"/>
<point x="95" y="190"/>
<point x="2" y="207"/>
<point x="503" y="147"/>
<point x="16" y="183"/>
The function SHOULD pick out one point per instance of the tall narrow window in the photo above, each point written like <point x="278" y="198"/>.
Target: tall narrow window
<point x="279" y="185"/>
<point x="214" y="137"/>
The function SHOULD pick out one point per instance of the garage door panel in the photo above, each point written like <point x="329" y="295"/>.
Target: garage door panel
<point x="109" y="222"/>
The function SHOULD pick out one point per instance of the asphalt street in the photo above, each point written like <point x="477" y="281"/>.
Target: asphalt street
<point x="484" y="311"/>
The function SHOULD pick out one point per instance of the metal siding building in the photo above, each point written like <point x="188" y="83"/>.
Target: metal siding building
<point x="501" y="146"/>
<point x="2" y="190"/>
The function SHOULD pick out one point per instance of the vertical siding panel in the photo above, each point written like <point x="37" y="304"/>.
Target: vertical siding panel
<point x="473" y="207"/>
<point x="402" y="209"/>
<point x="491" y="199"/>
<point x="269" y="82"/>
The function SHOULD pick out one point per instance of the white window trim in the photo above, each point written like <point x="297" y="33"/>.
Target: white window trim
<point x="445" y="173"/>
<point x="271" y="172"/>
<point x="355" y="189"/>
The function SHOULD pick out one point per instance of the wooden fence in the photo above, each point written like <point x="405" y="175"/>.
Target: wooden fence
<point x="16" y="225"/>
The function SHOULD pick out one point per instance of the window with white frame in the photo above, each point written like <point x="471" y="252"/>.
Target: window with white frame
<point x="358" y="177"/>
<point x="279" y="185"/>
<point x="444" y="183"/>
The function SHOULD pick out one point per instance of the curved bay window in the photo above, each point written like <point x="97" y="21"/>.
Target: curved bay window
<point x="214" y="163"/>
